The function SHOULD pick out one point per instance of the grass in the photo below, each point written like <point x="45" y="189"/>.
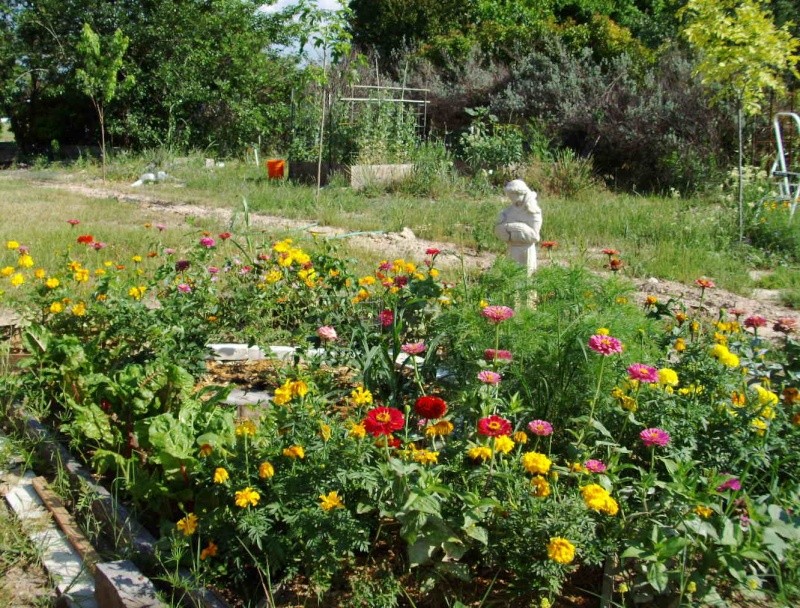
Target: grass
<point x="670" y="238"/>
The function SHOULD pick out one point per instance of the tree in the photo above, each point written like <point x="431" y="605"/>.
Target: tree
<point x="99" y="76"/>
<point x="741" y="53"/>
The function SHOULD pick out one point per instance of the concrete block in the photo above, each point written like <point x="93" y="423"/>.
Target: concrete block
<point x="120" y="584"/>
<point x="235" y="352"/>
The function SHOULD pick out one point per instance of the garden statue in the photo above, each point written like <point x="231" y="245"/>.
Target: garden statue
<point x="518" y="225"/>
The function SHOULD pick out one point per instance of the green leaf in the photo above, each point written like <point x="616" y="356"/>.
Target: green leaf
<point x="658" y="576"/>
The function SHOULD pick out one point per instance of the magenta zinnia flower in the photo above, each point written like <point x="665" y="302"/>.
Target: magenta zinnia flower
<point x="497" y="314"/>
<point x="489" y="377"/>
<point x="542" y="428"/>
<point x="491" y="354"/>
<point x="595" y="466"/>
<point x="207" y="242"/>
<point x="643" y="373"/>
<point x="730" y="484"/>
<point x="413" y="348"/>
<point x="184" y="288"/>
<point x="655" y="437"/>
<point x="605" y="345"/>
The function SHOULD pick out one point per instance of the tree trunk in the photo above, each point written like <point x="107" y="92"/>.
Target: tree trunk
<point x="740" y="120"/>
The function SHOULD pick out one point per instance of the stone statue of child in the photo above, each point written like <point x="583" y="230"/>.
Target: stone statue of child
<point x="519" y="225"/>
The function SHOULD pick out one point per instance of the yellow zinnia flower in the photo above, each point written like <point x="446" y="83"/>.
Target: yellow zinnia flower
<point x="480" y="452"/>
<point x="52" y="283"/>
<point x="7" y="271"/>
<point x="25" y="261"/>
<point x="187" y="525"/>
<point x="10" y="245"/>
<point x="56" y="307"/>
<point x="425" y="456"/>
<point x="439" y="429"/>
<point x="78" y="309"/>
<point x="294" y="452"/>
<point x="330" y="501"/>
<point x="17" y="280"/>
<point x="503" y="444"/>
<point x="220" y="475"/>
<point x="361" y="396"/>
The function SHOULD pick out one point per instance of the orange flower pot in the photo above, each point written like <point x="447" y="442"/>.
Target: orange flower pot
<point x="276" y="168"/>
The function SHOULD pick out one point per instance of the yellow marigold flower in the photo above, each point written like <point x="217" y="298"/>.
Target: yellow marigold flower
<point x="704" y="511"/>
<point x="325" y="431"/>
<point x="366" y="281"/>
<point x="738" y="399"/>
<point x="206" y="449"/>
<point x="577" y="467"/>
<point x="719" y="350"/>
<point x="520" y="437"/>
<point x="598" y="499"/>
<point x="247" y="428"/>
<point x="362" y="295"/>
<point x="137" y="293"/>
<point x="758" y="425"/>
<point x="266" y="470"/>
<point x="621" y="300"/>
<point x="357" y="431"/>
<point x="692" y="389"/>
<point x="108" y="263"/>
<point x="220" y="475"/>
<point x="503" y="444"/>
<point x="283" y="394"/>
<point x="540" y="487"/>
<point x="136" y="259"/>
<point x="483" y="304"/>
<point x="650" y="301"/>
<point x="667" y="377"/>
<point x="294" y="452"/>
<point x="439" y="429"/>
<point x="52" y="283"/>
<point x="480" y="452"/>
<point x="273" y="276"/>
<point x="187" y="525"/>
<point x="560" y="550"/>
<point x="603" y="331"/>
<point x="81" y="275"/>
<point x="74" y="265"/>
<point x="78" y="309"/>
<point x="300" y="256"/>
<point x="7" y="271"/>
<point x="247" y="498"/>
<point x="433" y="273"/>
<point x="25" y="261"/>
<point x="361" y="396"/>
<point x="10" y="245"/>
<point x="101" y="297"/>
<point x="56" y="307"/>
<point x="425" y="456"/>
<point x="720" y="338"/>
<point x="330" y="501"/>
<point x="282" y="246"/>
<point x="730" y="360"/>
<point x="680" y="345"/>
<point x="536" y="463"/>
<point x="333" y="273"/>
<point x="17" y="280"/>
<point x="299" y="389"/>
<point x="765" y="397"/>
<point x="767" y="413"/>
<point x="209" y="551"/>
<point x="99" y="272"/>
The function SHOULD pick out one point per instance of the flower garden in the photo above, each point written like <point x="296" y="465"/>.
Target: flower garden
<point x="437" y="440"/>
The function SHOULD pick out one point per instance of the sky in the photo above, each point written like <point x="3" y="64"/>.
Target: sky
<point x="313" y="56"/>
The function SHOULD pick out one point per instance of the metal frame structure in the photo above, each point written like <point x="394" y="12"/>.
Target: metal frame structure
<point x="788" y="181"/>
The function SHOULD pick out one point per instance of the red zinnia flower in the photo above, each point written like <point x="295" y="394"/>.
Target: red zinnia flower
<point x="755" y="321"/>
<point x="494" y="426"/>
<point x="704" y="283"/>
<point x="73" y="223"/>
<point x="433" y="251"/>
<point x="548" y="244"/>
<point x="610" y="252"/>
<point x="85" y="239"/>
<point x="386" y="317"/>
<point x="430" y="407"/>
<point x="615" y="264"/>
<point x="225" y="235"/>
<point x="384" y="421"/>
<point x="491" y="354"/>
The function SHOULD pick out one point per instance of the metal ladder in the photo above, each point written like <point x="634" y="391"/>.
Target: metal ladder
<point x="788" y="181"/>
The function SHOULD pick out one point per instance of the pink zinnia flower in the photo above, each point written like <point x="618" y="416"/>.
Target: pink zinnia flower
<point x="207" y="242"/>
<point x="413" y="348"/>
<point x="654" y="437"/>
<point x="497" y="314"/>
<point x="161" y="227"/>
<point x="704" y="283"/>
<point x="643" y="373"/>
<point x="326" y="332"/>
<point x="494" y="426"/>
<point x="73" y="223"/>
<point x="755" y="321"/>
<point x="98" y="245"/>
<point x="433" y="251"/>
<point x="605" y="345"/>
<point x="595" y="466"/>
<point x="542" y="428"/>
<point x="184" y="288"/>
<point x="730" y="484"/>
<point x="213" y="270"/>
<point x="490" y="354"/>
<point x="489" y="377"/>
<point x="785" y="325"/>
<point x="169" y="251"/>
<point x="386" y="317"/>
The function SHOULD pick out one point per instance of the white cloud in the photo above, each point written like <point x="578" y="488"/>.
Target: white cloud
<point x="282" y="4"/>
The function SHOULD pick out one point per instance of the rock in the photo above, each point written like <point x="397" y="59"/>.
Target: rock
<point x="120" y="585"/>
<point x="407" y="233"/>
<point x="209" y="163"/>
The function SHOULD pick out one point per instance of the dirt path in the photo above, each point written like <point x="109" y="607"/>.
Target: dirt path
<point x="405" y="244"/>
